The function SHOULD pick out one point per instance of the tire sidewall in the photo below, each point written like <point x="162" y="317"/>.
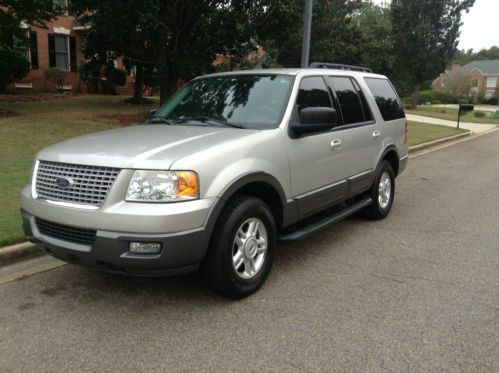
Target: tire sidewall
<point x="380" y="212"/>
<point x="246" y="208"/>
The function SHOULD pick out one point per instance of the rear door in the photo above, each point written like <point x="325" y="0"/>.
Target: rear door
<point x="359" y="133"/>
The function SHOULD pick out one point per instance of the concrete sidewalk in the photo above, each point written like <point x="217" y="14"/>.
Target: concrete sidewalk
<point x="473" y="127"/>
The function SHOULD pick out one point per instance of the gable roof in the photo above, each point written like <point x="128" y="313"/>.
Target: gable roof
<point x="487" y="67"/>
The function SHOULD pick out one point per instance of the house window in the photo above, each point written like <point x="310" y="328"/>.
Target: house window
<point x="62" y="52"/>
<point x="474" y="83"/>
<point x="489" y="93"/>
<point x="491" y="82"/>
<point x="28" y="48"/>
<point x="444" y="82"/>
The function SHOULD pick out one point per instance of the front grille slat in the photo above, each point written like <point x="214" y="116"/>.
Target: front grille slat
<point x="91" y="183"/>
<point x="66" y="233"/>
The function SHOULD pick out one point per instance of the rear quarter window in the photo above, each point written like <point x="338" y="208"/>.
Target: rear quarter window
<point x="386" y="98"/>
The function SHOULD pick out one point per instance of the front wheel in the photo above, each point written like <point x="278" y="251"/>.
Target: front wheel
<point x="382" y="192"/>
<point x="240" y="254"/>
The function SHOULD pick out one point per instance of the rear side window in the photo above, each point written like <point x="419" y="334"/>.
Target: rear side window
<point x="349" y="100"/>
<point x="386" y="98"/>
<point x="313" y="93"/>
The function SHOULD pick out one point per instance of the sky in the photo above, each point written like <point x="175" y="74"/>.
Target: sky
<point x="480" y="26"/>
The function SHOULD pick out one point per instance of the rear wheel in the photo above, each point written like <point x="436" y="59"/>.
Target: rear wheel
<point x="240" y="254"/>
<point x="382" y="192"/>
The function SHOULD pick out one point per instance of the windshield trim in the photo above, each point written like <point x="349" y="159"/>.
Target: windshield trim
<point x="245" y="74"/>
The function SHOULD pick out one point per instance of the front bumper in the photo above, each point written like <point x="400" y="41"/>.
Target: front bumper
<point x="183" y="229"/>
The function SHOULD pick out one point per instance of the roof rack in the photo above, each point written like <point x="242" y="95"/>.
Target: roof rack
<point x="339" y="66"/>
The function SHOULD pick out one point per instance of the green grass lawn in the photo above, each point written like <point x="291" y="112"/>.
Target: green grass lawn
<point x="451" y="114"/>
<point x="36" y="125"/>
<point x="420" y="133"/>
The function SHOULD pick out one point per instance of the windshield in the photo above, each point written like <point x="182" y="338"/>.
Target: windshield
<point x="247" y="101"/>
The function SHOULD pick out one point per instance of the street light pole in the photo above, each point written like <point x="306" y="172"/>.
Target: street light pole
<point x="307" y="27"/>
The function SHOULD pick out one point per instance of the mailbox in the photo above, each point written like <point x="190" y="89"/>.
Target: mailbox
<point x="466" y="107"/>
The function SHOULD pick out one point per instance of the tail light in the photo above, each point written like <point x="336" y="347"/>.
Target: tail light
<point x="406" y="133"/>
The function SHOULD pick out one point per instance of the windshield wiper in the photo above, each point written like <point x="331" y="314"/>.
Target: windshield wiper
<point x="161" y="120"/>
<point x="204" y="119"/>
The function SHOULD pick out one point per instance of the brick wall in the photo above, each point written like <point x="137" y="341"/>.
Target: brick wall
<point x="61" y="26"/>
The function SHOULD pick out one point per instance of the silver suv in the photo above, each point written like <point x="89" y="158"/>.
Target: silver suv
<point x="230" y="165"/>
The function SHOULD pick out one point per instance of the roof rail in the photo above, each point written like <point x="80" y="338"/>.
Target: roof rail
<point x="339" y="66"/>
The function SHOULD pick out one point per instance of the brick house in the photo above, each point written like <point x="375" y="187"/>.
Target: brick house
<point x="57" y="45"/>
<point x="477" y="78"/>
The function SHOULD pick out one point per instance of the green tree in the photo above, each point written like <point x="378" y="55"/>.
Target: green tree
<point x="335" y="37"/>
<point x="13" y="66"/>
<point x="425" y="36"/>
<point x="180" y="38"/>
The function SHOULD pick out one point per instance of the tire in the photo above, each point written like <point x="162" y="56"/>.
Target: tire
<point x="382" y="192"/>
<point x="239" y="258"/>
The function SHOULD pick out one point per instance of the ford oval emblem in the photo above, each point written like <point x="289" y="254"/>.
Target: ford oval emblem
<point x="64" y="182"/>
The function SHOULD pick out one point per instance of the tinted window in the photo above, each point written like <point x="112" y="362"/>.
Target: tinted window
<point x="313" y="93"/>
<point x="368" y="115"/>
<point x="349" y="100"/>
<point x="386" y="98"/>
<point x="252" y="101"/>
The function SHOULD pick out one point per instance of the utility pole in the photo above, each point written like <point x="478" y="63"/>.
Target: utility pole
<point x="307" y="27"/>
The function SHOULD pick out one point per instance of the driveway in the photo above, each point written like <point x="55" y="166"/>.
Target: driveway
<point x="473" y="127"/>
<point x="416" y="292"/>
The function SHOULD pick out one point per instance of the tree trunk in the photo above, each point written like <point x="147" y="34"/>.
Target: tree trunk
<point x="139" y="83"/>
<point x="415" y="96"/>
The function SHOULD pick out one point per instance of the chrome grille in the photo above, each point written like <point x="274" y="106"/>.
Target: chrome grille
<point x="90" y="184"/>
<point x="65" y="232"/>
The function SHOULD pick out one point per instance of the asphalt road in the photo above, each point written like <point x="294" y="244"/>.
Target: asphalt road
<point x="416" y="292"/>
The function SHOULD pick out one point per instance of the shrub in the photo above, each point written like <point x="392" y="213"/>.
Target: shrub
<point x="492" y="100"/>
<point x="56" y="76"/>
<point x="114" y="77"/>
<point x="479" y="114"/>
<point x="463" y="101"/>
<point x="90" y="74"/>
<point x="436" y="102"/>
<point x="13" y="66"/>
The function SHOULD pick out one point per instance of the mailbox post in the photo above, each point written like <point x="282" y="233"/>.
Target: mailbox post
<point x="464" y="108"/>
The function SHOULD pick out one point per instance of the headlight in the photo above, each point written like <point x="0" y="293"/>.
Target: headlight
<point x="163" y="186"/>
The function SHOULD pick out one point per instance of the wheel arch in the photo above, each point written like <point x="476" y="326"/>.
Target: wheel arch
<point x="390" y="155"/>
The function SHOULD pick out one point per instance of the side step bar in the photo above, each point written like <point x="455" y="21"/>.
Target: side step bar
<point x="326" y="222"/>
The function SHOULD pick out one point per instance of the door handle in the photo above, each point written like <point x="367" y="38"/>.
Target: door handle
<point x="376" y="134"/>
<point x="336" y="144"/>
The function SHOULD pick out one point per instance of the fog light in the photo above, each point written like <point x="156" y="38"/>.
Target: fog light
<point x="145" y="247"/>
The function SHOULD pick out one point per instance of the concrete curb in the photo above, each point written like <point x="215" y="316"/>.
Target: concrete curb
<point x="426" y="145"/>
<point x="13" y="253"/>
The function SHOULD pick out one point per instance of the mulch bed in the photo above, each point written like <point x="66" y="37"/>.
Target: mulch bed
<point x="123" y="119"/>
<point x="32" y="98"/>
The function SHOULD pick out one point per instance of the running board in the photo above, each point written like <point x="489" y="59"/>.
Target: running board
<point x="327" y="221"/>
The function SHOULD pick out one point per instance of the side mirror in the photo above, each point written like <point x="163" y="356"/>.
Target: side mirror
<point x="151" y="113"/>
<point x="315" y="119"/>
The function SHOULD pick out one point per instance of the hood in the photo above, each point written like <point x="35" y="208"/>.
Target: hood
<point x="154" y="146"/>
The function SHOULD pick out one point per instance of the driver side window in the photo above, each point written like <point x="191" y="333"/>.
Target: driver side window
<point x="313" y="93"/>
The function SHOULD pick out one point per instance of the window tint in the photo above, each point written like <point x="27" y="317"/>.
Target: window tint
<point x="313" y="93"/>
<point x="349" y="100"/>
<point x="386" y="98"/>
<point x="368" y="115"/>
